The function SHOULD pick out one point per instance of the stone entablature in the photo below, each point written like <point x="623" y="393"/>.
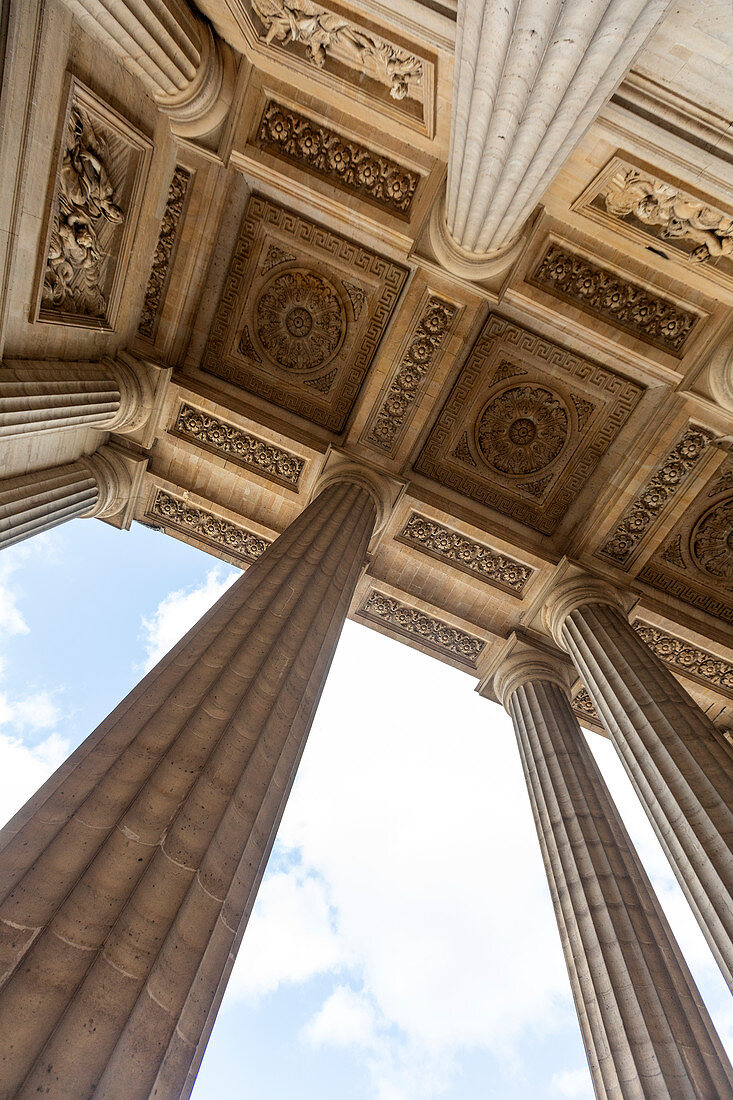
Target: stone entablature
<point x="427" y="630"/>
<point x="202" y="526"/>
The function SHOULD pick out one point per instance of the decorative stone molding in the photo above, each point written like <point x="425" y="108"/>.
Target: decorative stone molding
<point x="384" y="490"/>
<point x="620" y="302"/>
<point x="172" y="51"/>
<point x="102" y="168"/>
<point x="719" y="372"/>
<point x="669" y="213"/>
<point x="112" y="475"/>
<point x="522" y="430"/>
<point x="582" y="705"/>
<point x="422" y="354"/>
<point x="573" y="592"/>
<point x="528" y="81"/>
<point x="326" y="36"/>
<point x="300" y="320"/>
<point x="235" y="444"/>
<point x="163" y="255"/>
<point x="341" y="160"/>
<point x="466" y="554"/>
<point x="686" y="658"/>
<point x="656" y="495"/>
<point x="413" y="623"/>
<point x="526" y="664"/>
<point x="204" y="526"/>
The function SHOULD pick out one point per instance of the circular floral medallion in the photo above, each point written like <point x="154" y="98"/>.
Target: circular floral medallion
<point x="711" y="541"/>
<point x="521" y="430"/>
<point x="299" y="320"/>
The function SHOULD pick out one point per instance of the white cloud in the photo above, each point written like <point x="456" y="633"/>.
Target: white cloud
<point x="23" y="768"/>
<point x="178" y="612"/>
<point x="34" y="712"/>
<point x="290" y="937"/>
<point x="575" y="1084"/>
<point x="345" y="1019"/>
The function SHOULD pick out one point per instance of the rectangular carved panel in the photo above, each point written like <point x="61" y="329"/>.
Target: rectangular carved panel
<point x="619" y="302"/>
<point x="655" y="496"/>
<point x="585" y="712"/>
<point x="341" y="160"/>
<point x="164" y="249"/>
<point x="202" y="526"/>
<point x="301" y="315"/>
<point x="468" y="555"/>
<point x="525" y="425"/>
<point x="247" y="450"/>
<point x="687" y="659"/>
<point x="102" y="167"/>
<point x="413" y="623"/>
<point x="395" y="407"/>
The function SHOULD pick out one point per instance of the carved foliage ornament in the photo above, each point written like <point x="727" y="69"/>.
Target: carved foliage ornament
<point x="422" y="352"/>
<point x="433" y="633"/>
<point x="164" y="251"/>
<point x="583" y="706"/>
<point x="240" y="446"/>
<point x="669" y="213"/>
<point x="204" y="525"/>
<point x="86" y="217"/>
<point x="464" y="553"/>
<point x="618" y="301"/>
<point x="326" y="35"/>
<point x="522" y="430"/>
<point x="300" y="320"/>
<point x="687" y="658"/>
<point x="711" y="542"/>
<point x="342" y="160"/>
<point x="680" y="461"/>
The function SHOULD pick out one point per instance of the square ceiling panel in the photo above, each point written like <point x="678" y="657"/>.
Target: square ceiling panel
<point x="302" y="313"/>
<point x="525" y="426"/>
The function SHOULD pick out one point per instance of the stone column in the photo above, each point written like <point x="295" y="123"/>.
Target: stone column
<point x="94" y="485"/>
<point x="645" y="1029"/>
<point x="113" y="395"/>
<point x="719" y="372"/>
<point x="131" y="875"/>
<point x="187" y="70"/>
<point x="530" y="77"/>
<point x="671" y="751"/>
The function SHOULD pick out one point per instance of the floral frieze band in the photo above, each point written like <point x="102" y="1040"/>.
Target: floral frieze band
<point x="413" y="623"/>
<point x="687" y="658"/>
<point x="163" y="254"/>
<point x="421" y="354"/>
<point x="582" y="705"/>
<point x="341" y="160"/>
<point x="204" y="526"/>
<point x="618" y="301"/>
<point x="464" y="553"/>
<point x="680" y="461"/>
<point x="239" y="446"/>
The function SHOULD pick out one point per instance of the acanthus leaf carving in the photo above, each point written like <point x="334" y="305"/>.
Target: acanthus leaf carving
<point x="164" y="251"/>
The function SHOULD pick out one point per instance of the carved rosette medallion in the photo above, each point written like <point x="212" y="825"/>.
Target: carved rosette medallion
<point x="300" y="320"/>
<point x="711" y="543"/>
<point x="522" y="430"/>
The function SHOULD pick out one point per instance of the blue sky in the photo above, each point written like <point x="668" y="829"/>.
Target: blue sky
<point x="403" y="944"/>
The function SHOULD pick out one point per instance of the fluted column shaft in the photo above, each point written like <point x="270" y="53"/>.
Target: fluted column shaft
<point x="94" y="485"/>
<point x="674" y="757"/>
<point x="172" y="50"/>
<point x="530" y="76"/>
<point x="48" y="396"/>
<point x="646" y="1031"/>
<point x="130" y="877"/>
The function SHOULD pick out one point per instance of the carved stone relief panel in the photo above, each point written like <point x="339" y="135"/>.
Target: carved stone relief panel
<point x="585" y="712"/>
<point x="420" y="356"/>
<point x="695" y="564"/>
<point x="637" y="202"/>
<point x="464" y="553"/>
<point x="429" y="631"/>
<point x="344" y="162"/>
<point x="396" y="78"/>
<point x="301" y="315"/>
<point x="199" y="525"/>
<point x="100" y="176"/>
<point x="686" y="658"/>
<point x="640" y="516"/>
<point x="164" y="250"/>
<point x="618" y="301"/>
<point x="525" y="425"/>
<point x="247" y="450"/>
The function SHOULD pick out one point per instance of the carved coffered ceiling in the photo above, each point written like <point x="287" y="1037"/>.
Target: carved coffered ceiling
<point x="695" y="563"/>
<point x="302" y="313"/>
<point x="525" y="426"/>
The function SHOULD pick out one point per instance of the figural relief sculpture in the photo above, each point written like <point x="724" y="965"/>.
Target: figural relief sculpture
<point x="325" y="34"/>
<point x="87" y="204"/>
<point x="670" y="213"/>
